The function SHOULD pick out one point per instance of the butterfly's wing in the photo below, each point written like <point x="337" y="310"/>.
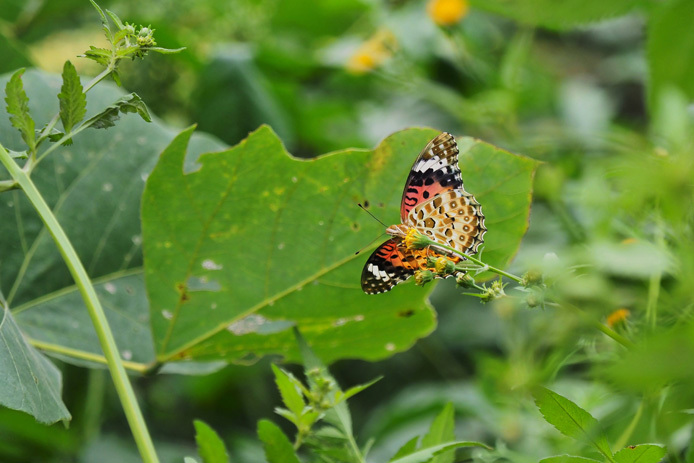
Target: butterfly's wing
<point x="434" y="171"/>
<point x="389" y="265"/>
<point x="454" y="218"/>
<point x="392" y="263"/>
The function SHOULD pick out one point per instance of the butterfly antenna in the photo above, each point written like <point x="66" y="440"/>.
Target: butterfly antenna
<point x="375" y="218"/>
<point x="372" y="242"/>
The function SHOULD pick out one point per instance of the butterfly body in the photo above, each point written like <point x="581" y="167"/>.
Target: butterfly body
<point x="435" y="204"/>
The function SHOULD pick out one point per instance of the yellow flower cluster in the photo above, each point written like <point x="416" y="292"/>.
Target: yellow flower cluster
<point x="372" y="53"/>
<point x="447" y="12"/>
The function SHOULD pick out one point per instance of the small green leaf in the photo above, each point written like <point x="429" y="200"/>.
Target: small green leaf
<point x="210" y="446"/>
<point x="131" y="103"/>
<point x="18" y="154"/>
<point x="409" y="447"/>
<point x="116" y="20"/>
<point x="568" y="459"/>
<point x="291" y="395"/>
<point x="277" y="447"/>
<point x="570" y="419"/>
<point x="426" y="454"/>
<point x="73" y="101"/>
<point x="18" y="109"/>
<point x="352" y="391"/>
<point x="644" y="453"/>
<point x="441" y="431"/>
<point x="166" y="51"/>
<point x="100" y="55"/>
<point x="104" y="21"/>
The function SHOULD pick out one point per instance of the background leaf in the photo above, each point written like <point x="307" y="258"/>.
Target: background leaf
<point x="94" y="188"/>
<point x="29" y="382"/>
<point x="644" y="453"/>
<point x="441" y="430"/>
<point x="670" y="50"/>
<point x="558" y="15"/>
<point x="255" y="239"/>
<point x="278" y="449"/>
<point x="210" y="447"/>
<point x="568" y="459"/>
<point x="570" y="419"/>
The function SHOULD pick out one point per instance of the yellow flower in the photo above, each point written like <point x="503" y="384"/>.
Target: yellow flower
<point x="444" y="266"/>
<point x="618" y="317"/>
<point x="447" y="12"/>
<point x="422" y="277"/>
<point x="415" y="240"/>
<point x="372" y="53"/>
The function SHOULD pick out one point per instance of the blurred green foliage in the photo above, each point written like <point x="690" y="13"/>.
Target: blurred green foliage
<point x="601" y="91"/>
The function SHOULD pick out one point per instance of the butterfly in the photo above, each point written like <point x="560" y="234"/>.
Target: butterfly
<point x="435" y="204"/>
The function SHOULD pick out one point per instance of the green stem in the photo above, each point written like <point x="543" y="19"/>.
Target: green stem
<point x="96" y="312"/>
<point x="626" y="435"/>
<point x="654" y="282"/>
<point x="513" y="277"/>
<point x="141" y="368"/>
<point x="601" y="327"/>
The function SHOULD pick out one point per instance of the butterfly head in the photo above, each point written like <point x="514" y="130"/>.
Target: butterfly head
<point x="398" y="231"/>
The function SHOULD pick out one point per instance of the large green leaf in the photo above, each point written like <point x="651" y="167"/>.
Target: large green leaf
<point x="671" y="50"/>
<point x="558" y="14"/>
<point x="255" y="240"/>
<point x="29" y="382"/>
<point x="94" y="188"/>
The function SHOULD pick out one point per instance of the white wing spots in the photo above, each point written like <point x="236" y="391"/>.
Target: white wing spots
<point x="107" y="187"/>
<point x="390" y="347"/>
<point x="110" y="288"/>
<point x="126" y="355"/>
<point x="166" y="314"/>
<point x="209" y="264"/>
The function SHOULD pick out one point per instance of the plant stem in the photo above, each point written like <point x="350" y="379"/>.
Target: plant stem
<point x="96" y="312"/>
<point x="88" y="356"/>
<point x="513" y="277"/>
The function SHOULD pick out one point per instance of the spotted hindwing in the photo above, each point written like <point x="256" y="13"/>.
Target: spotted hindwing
<point x="453" y="218"/>
<point x="391" y="263"/>
<point x="434" y="171"/>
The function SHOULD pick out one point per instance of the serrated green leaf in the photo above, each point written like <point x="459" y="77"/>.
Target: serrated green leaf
<point x="210" y="447"/>
<point x="131" y="103"/>
<point x="408" y="448"/>
<point x="292" y="397"/>
<point x="643" y="453"/>
<point x="352" y="391"/>
<point x="116" y="20"/>
<point x="100" y="55"/>
<point x="568" y="459"/>
<point x="426" y="454"/>
<point x="670" y="50"/>
<point x="18" y="109"/>
<point x="570" y="419"/>
<point x="29" y="382"/>
<point x="275" y="239"/>
<point x="18" y="154"/>
<point x="558" y="15"/>
<point x="441" y="431"/>
<point x="104" y="21"/>
<point x="73" y="101"/>
<point x="277" y="447"/>
<point x="95" y="188"/>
